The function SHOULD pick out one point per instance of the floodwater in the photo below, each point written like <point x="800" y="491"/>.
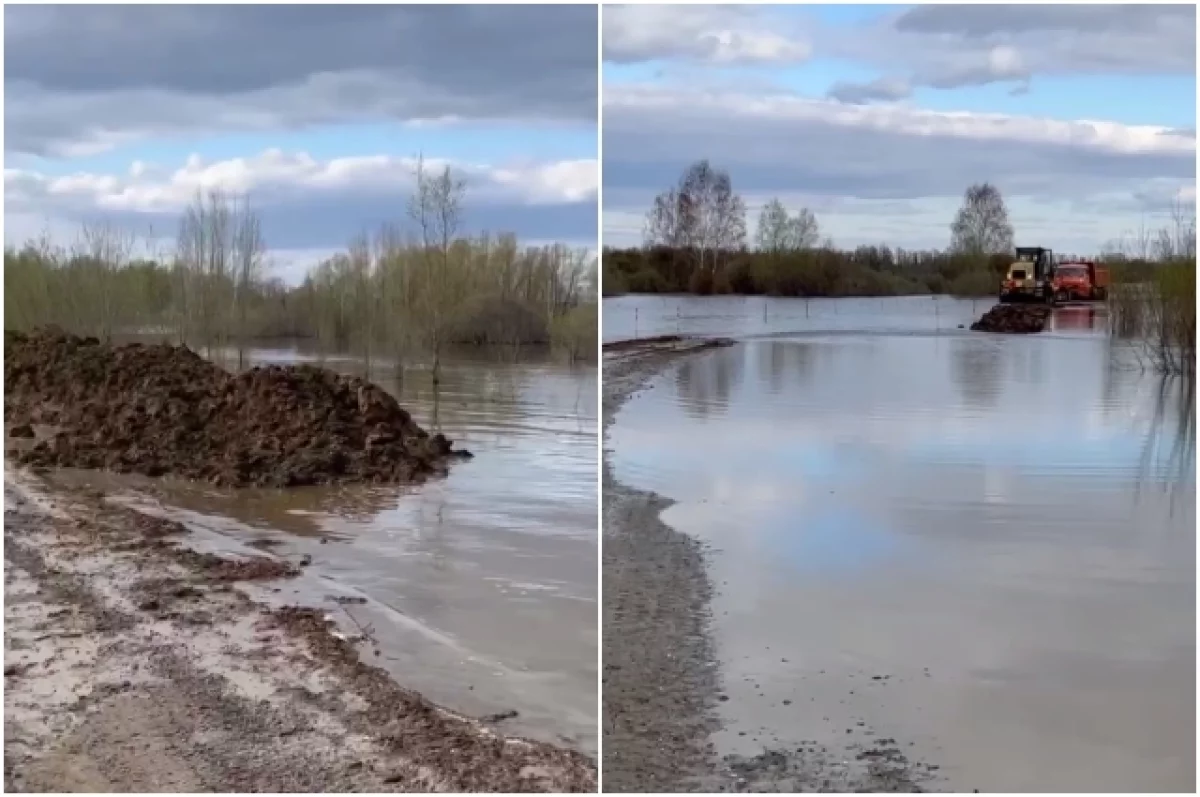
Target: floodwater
<point x="981" y="546"/>
<point x="480" y="587"/>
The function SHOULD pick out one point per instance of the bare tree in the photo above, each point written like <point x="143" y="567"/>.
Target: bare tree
<point x="778" y="232"/>
<point x="1177" y="240"/>
<point x="219" y="256"/>
<point x="701" y="217"/>
<point x="248" y="251"/>
<point x="981" y="227"/>
<point x="362" y="300"/>
<point x="436" y="207"/>
<point x="671" y="221"/>
<point x="105" y="250"/>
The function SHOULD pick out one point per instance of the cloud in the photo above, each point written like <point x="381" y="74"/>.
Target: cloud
<point x="273" y="175"/>
<point x="124" y="73"/>
<point x="889" y="89"/>
<point x="710" y="34"/>
<point x="863" y="163"/>
<point x="950" y="46"/>
<point x="983" y="20"/>
<point x="305" y="203"/>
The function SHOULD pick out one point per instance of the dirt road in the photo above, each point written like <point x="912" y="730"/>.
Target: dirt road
<point x="132" y="663"/>
<point x="661" y="677"/>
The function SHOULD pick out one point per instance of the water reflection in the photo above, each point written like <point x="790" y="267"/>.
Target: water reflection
<point x="1004" y="526"/>
<point x="978" y="370"/>
<point x="705" y="383"/>
<point x="1169" y="453"/>
<point x="484" y="578"/>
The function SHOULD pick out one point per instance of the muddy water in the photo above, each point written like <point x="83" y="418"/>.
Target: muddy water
<point x="980" y="546"/>
<point x="480" y="588"/>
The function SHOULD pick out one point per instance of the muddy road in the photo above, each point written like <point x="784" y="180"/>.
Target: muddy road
<point x="662" y="684"/>
<point x="134" y="663"/>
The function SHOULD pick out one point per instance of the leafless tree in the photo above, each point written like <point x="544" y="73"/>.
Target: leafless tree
<point x="981" y="227"/>
<point x="436" y="207"/>
<point x="219" y="255"/>
<point x="778" y="232"/>
<point x="1177" y="240"/>
<point x="106" y="250"/>
<point x="248" y="253"/>
<point x="701" y="215"/>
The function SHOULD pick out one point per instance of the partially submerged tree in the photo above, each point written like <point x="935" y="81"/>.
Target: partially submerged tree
<point x="436" y="207"/>
<point x="981" y="227"/>
<point x="219" y="257"/>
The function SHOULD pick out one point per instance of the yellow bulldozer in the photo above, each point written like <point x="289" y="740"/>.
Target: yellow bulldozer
<point x="1030" y="278"/>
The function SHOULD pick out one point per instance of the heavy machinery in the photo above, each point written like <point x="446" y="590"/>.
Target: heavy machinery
<point x="1030" y="277"/>
<point x="1080" y="280"/>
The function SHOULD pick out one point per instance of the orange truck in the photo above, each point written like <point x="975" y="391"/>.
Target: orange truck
<point x="1081" y="280"/>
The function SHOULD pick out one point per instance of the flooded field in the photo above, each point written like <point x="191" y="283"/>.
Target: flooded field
<point x="981" y="547"/>
<point x="478" y="590"/>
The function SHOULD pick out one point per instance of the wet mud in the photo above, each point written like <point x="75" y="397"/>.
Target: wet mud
<point x="662" y="683"/>
<point x="163" y="410"/>
<point x="1014" y="319"/>
<point x="134" y="664"/>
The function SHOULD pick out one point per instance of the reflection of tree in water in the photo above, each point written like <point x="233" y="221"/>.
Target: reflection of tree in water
<point x="1169" y="453"/>
<point x="705" y="382"/>
<point x="977" y="369"/>
<point x="777" y="357"/>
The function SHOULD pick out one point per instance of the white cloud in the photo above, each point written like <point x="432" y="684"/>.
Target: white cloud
<point x="746" y="110"/>
<point x="274" y="174"/>
<point x="709" y="34"/>
<point x="891" y="173"/>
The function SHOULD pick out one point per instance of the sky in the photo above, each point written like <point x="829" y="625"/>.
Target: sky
<point x="120" y="114"/>
<point x="877" y="118"/>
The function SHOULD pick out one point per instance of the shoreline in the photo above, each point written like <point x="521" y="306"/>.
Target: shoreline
<point x="660" y="684"/>
<point x="132" y="662"/>
<point x="662" y="681"/>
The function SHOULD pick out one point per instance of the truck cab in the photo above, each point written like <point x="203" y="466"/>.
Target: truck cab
<point x="1081" y="280"/>
<point x="1030" y="276"/>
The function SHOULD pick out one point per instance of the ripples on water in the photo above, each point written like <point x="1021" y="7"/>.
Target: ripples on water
<point x="887" y="494"/>
<point x="486" y="578"/>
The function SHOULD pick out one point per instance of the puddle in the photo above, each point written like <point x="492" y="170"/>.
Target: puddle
<point x="981" y="546"/>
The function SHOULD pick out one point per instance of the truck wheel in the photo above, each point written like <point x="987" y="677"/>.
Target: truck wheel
<point x="1061" y="297"/>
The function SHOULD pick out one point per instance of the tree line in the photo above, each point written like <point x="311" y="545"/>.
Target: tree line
<point x="696" y="241"/>
<point x="394" y="291"/>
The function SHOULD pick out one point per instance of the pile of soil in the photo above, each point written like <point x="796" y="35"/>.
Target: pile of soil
<point x="162" y="409"/>
<point x="1014" y="319"/>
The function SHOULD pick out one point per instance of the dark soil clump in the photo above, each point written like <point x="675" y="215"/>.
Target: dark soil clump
<point x="255" y="568"/>
<point x="1021" y="319"/>
<point x="161" y="409"/>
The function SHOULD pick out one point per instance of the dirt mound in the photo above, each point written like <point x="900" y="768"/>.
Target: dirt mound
<point x="1014" y="319"/>
<point x="161" y="409"/>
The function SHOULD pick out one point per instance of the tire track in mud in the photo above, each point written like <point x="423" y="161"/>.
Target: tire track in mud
<point x="133" y="664"/>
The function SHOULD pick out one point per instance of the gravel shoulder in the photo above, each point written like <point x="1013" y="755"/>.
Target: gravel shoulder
<point x="661" y="677"/>
<point x="133" y="663"/>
